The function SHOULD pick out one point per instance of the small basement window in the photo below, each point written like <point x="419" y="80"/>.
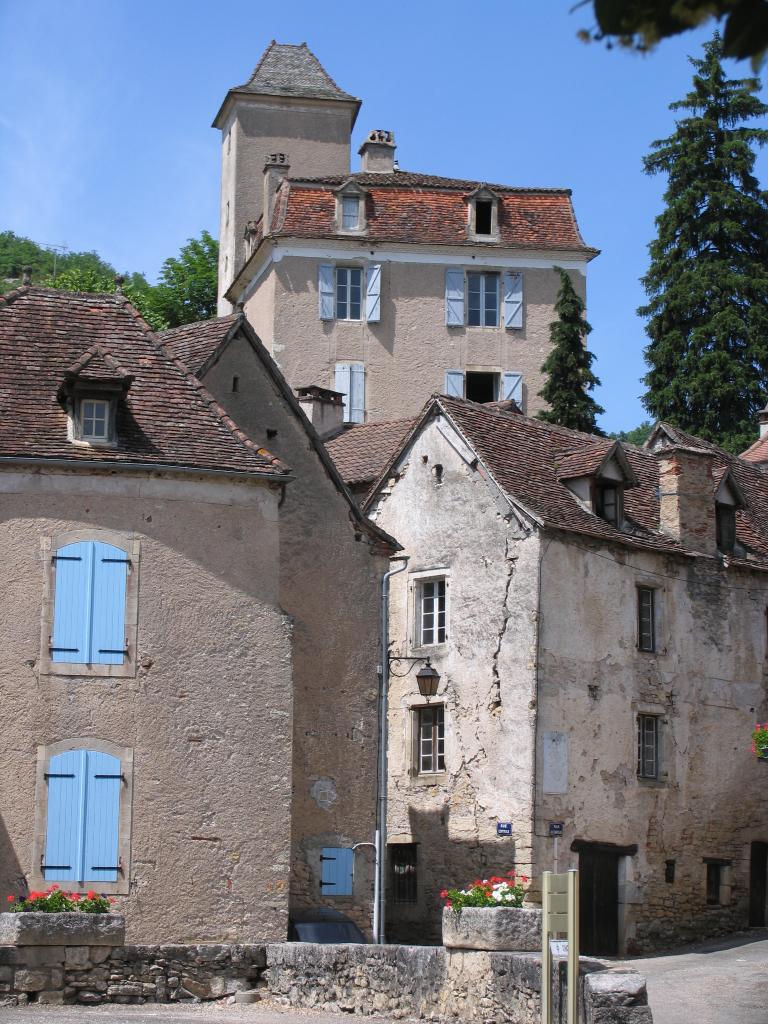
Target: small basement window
<point x="403" y="858"/>
<point x="482" y="387"/>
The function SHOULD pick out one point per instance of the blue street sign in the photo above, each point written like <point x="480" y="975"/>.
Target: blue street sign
<point x="503" y="828"/>
<point x="555" y="829"/>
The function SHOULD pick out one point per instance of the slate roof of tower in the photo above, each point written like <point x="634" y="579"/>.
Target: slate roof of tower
<point x="289" y="70"/>
<point x="167" y="417"/>
<point x="524" y="456"/>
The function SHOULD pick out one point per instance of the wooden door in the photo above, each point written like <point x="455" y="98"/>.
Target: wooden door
<point x="598" y="901"/>
<point x="758" y="868"/>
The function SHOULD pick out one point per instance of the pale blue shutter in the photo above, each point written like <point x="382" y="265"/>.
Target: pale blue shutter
<point x="373" y="293"/>
<point x="110" y="572"/>
<point x="325" y="290"/>
<point x="73" y="580"/>
<point x="454" y="297"/>
<point x="66" y="807"/>
<point x="337" y="871"/>
<point x="343" y="384"/>
<point x="454" y="383"/>
<point x="513" y="388"/>
<point x="513" y="300"/>
<point x="102" y="817"/>
<point x="356" y="393"/>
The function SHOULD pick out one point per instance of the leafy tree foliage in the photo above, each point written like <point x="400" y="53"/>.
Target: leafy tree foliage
<point x="568" y="367"/>
<point x="188" y="284"/>
<point x="640" y="24"/>
<point x="708" y="277"/>
<point x="638" y="435"/>
<point x="17" y="252"/>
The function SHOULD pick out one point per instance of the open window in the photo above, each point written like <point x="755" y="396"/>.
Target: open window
<point x="483" y="215"/>
<point x="729" y="499"/>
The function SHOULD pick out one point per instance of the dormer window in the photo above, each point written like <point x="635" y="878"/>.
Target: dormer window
<point x="94" y="419"/>
<point x="483" y="215"/>
<point x="350" y="208"/>
<point x="350" y="213"/>
<point x="608" y="502"/>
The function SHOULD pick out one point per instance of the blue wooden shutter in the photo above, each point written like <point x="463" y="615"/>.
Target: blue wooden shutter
<point x="343" y="384"/>
<point x="454" y="297"/>
<point x="110" y="572"/>
<point x="66" y="805"/>
<point x="73" y="576"/>
<point x="513" y="300"/>
<point x="356" y="393"/>
<point x="102" y="817"/>
<point x="373" y="293"/>
<point x="337" y="871"/>
<point x="325" y="290"/>
<point x="513" y="388"/>
<point x="454" y="383"/>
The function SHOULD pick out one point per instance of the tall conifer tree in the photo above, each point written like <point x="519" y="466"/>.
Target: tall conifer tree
<point x="568" y="367"/>
<point x="707" y="283"/>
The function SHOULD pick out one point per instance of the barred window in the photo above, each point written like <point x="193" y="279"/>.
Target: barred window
<point x="646" y="618"/>
<point x="647" y="746"/>
<point x="402" y="857"/>
<point x="431" y="739"/>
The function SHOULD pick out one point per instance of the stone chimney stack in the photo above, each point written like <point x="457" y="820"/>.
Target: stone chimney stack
<point x="324" y="409"/>
<point x="687" y="497"/>
<point x="762" y="419"/>
<point x="378" y="152"/>
<point x="276" y="169"/>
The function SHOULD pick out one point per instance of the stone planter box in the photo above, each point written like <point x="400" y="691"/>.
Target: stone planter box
<point x="512" y="929"/>
<point x="73" y="929"/>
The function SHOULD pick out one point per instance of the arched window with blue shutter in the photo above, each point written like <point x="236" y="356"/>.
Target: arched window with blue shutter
<point x="83" y="821"/>
<point x="89" y="604"/>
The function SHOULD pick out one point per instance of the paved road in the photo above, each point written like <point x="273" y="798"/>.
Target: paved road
<point x="205" y="1013"/>
<point x="713" y="983"/>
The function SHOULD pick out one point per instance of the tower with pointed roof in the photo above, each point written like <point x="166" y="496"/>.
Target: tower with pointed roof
<point x="290" y="112"/>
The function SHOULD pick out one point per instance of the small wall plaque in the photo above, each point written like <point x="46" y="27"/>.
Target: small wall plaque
<point x="503" y="828"/>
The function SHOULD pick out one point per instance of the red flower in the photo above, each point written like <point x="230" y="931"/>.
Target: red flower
<point x="91" y="895"/>
<point x="10" y="898"/>
<point x="448" y="903"/>
<point x="443" y="894"/>
<point x="524" y="877"/>
<point x="477" y="882"/>
<point x="112" y="899"/>
<point x="75" y="896"/>
<point x="54" y="887"/>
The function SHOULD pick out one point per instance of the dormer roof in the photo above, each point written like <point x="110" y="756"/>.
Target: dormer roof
<point x="594" y="460"/>
<point x="97" y="368"/>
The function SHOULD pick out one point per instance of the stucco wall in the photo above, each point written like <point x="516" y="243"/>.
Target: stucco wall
<point x="487" y="681"/>
<point x="708" y="684"/>
<point x="408" y="352"/>
<point x="208" y="713"/>
<point x="314" y="136"/>
<point x="330" y="586"/>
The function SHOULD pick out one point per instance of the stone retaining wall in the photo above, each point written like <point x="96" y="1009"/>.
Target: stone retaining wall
<point x="401" y="981"/>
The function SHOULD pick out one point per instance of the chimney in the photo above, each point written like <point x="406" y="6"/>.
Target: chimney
<point x="276" y="168"/>
<point x="324" y="409"/>
<point x="378" y="152"/>
<point x="762" y="419"/>
<point x="687" y="497"/>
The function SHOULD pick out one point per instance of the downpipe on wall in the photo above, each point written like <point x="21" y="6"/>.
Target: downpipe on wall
<point x="379" y="887"/>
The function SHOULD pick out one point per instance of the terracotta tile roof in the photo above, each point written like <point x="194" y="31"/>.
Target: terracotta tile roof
<point x="757" y="453"/>
<point x="96" y="363"/>
<point x="195" y="343"/>
<point x="361" y="452"/>
<point x="166" y="418"/>
<point x="583" y="462"/>
<point x="524" y="457"/>
<point x="414" y="208"/>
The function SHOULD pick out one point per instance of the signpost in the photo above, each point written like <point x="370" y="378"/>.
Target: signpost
<point x="555" y="831"/>
<point x="560" y="916"/>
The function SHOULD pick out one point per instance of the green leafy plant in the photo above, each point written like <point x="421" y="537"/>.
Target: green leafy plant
<point x="56" y="901"/>
<point x="496" y="891"/>
<point x="760" y="741"/>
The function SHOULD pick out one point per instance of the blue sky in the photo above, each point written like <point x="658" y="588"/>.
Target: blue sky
<point x="106" y="144"/>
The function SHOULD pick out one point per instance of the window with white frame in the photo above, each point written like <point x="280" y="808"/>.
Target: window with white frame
<point x="648" y="746"/>
<point x="431" y="612"/>
<point x="349" y="293"/>
<point x="94" y="419"/>
<point x="483" y="300"/>
<point x="350" y="213"/>
<point x="430" y="739"/>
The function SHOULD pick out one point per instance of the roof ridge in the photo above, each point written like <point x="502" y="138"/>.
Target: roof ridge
<point x="452" y="183"/>
<point x="11" y="296"/>
<point x="185" y="327"/>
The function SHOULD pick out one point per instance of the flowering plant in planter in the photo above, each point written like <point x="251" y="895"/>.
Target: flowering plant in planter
<point x="55" y="901"/>
<point x="760" y="741"/>
<point x="488" y="892"/>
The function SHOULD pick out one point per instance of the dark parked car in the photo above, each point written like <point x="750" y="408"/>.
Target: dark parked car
<point x="323" y="924"/>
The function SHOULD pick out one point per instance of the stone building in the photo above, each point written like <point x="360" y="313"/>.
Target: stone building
<point x="182" y="726"/>
<point x="382" y="284"/>
<point x="597" y="614"/>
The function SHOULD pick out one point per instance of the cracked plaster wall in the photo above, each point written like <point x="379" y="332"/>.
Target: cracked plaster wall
<point x="707" y="681"/>
<point x="487" y="680"/>
<point x="208" y="712"/>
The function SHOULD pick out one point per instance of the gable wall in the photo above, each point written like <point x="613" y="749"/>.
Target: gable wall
<point x="329" y="585"/>
<point x="487" y="669"/>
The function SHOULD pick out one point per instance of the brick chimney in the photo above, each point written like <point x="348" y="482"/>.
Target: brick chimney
<point x="687" y="497"/>
<point x="378" y="152"/>
<point x="324" y="409"/>
<point x="276" y="169"/>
